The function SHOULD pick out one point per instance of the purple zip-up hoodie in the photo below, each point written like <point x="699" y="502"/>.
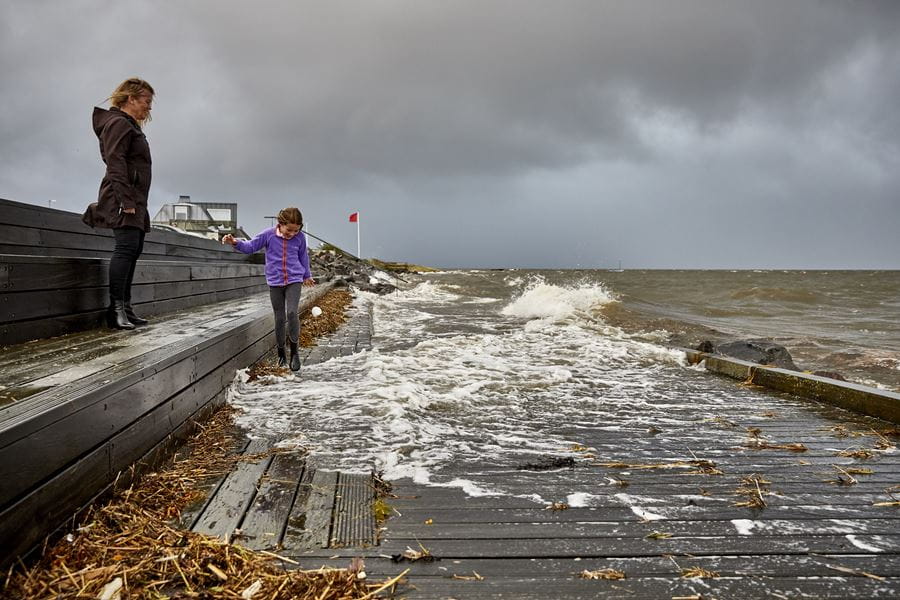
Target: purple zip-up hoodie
<point x="287" y="261"/>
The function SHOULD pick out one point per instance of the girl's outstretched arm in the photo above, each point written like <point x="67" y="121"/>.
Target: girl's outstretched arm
<point x="248" y="247"/>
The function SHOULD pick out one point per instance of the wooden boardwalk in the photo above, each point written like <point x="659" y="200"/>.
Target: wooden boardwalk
<point x="667" y="511"/>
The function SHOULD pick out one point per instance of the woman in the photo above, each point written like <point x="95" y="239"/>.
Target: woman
<point x="122" y="203"/>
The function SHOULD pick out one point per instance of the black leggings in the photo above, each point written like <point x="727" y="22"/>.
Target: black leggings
<point x="286" y="305"/>
<point x="129" y="245"/>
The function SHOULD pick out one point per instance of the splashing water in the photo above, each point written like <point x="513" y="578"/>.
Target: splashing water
<point x="454" y="383"/>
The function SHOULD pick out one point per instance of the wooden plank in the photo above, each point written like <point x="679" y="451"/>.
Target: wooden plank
<point x="264" y="525"/>
<point x="651" y="566"/>
<point x="309" y="525"/>
<point x="658" y="504"/>
<point x="529" y="588"/>
<point x="208" y="487"/>
<point x="601" y="529"/>
<point x="623" y="547"/>
<point x="41" y="217"/>
<point x="354" y="517"/>
<point x="20" y="236"/>
<point x="487" y="514"/>
<point x="225" y="511"/>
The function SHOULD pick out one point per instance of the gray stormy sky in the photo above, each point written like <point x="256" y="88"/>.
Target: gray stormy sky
<point x="666" y="134"/>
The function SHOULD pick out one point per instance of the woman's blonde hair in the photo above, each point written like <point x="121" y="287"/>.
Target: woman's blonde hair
<point x="133" y="86"/>
<point x="290" y="216"/>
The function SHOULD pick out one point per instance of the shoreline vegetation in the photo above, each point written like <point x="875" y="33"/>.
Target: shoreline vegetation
<point x="130" y="545"/>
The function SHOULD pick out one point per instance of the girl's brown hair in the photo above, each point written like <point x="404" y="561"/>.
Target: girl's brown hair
<point x="290" y="216"/>
<point x="133" y="86"/>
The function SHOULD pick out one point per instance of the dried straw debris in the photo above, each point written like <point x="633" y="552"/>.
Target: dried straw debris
<point x="693" y="572"/>
<point x="473" y="577"/>
<point x="411" y="555"/>
<point x="846" y="475"/>
<point x="698" y="572"/>
<point x="755" y="488"/>
<point x="856" y="452"/>
<point x="609" y="574"/>
<point x="701" y="466"/>
<point x="894" y="501"/>
<point x="758" y="444"/>
<point x="722" y="421"/>
<point x="857" y="572"/>
<point x="334" y="306"/>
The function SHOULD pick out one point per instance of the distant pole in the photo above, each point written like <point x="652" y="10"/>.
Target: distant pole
<point x="358" y="247"/>
<point x="272" y="223"/>
<point x="50" y="203"/>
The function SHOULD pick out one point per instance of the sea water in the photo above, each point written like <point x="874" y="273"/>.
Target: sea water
<point x="471" y="369"/>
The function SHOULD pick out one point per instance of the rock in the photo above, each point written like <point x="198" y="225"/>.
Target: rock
<point x="762" y="352"/>
<point x="548" y="463"/>
<point x="705" y="346"/>
<point x="830" y="375"/>
<point x="327" y="265"/>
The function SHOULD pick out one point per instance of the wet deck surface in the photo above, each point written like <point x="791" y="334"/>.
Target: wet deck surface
<point x="661" y="506"/>
<point x="29" y="368"/>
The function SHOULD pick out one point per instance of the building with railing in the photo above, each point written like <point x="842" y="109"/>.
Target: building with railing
<point x="207" y="219"/>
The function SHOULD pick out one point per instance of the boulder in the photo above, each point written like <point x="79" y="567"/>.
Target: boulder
<point x="762" y="352"/>
<point x="705" y="346"/>
<point x="830" y="374"/>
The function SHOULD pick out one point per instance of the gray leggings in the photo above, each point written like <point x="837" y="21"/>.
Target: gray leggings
<point x="286" y="297"/>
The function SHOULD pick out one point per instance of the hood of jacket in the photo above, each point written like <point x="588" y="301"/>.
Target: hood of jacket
<point x="103" y="116"/>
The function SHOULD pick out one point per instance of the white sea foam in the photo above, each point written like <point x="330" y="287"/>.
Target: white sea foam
<point x="545" y="301"/>
<point x="579" y="499"/>
<point x="744" y="526"/>
<point x="863" y="545"/>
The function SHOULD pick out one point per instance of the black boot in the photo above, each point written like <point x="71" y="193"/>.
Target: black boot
<point x="117" y="317"/>
<point x="295" y="358"/>
<point x="136" y="320"/>
<point x="282" y="359"/>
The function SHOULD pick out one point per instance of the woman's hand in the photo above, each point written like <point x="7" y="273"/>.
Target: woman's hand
<point x="309" y="282"/>
<point x="129" y="211"/>
<point x="229" y="239"/>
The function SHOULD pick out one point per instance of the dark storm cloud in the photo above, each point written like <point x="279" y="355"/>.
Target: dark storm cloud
<point x="622" y="129"/>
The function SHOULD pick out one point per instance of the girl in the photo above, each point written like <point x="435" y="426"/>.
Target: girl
<point x="287" y="268"/>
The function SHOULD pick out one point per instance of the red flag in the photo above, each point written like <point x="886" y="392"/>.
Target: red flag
<point x="354" y="217"/>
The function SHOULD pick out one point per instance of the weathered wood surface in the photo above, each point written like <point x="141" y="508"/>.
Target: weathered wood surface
<point x="266" y="520"/>
<point x="82" y="409"/>
<point x="224" y="513"/>
<point x="354" y="518"/>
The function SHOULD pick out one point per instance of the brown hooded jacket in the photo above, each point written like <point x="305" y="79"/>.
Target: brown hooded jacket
<point x="125" y="151"/>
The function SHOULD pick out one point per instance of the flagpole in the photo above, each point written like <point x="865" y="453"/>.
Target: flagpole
<point x="358" y="249"/>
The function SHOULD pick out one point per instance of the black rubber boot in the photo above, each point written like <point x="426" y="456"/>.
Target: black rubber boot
<point x="136" y="320"/>
<point x="282" y="359"/>
<point x="295" y="357"/>
<point x="117" y="317"/>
